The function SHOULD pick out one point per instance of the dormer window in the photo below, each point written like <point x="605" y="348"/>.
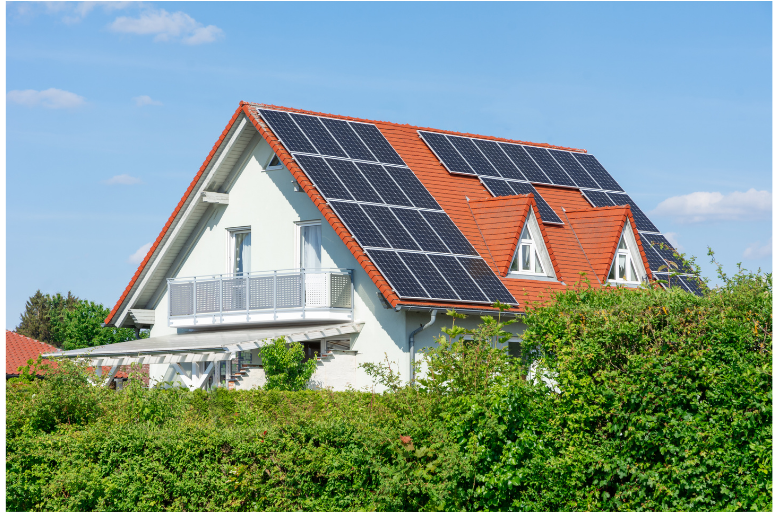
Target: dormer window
<point x="623" y="268"/>
<point x="531" y="258"/>
<point x="526" y="259"/>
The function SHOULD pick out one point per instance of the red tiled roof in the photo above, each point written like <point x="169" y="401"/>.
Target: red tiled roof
<point x="19" y="349"/>
<point x="453" y="193"/>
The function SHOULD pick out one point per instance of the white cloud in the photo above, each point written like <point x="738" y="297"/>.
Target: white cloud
<point x="758" y="250"/>
<point x="145" y="100"/>
<point x="51" y="98"/>
<point x="139" y="255"/>
<point x="123" y="179"/>
<point x="167" y="26"/>
<point x="713" y="206"/>
<point x="671" y="236"/>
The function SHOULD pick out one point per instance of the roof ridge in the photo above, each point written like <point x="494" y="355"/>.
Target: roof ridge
<point x="513" y="197"/>
<point x="594" y="209"/>
<point x="422" y="128"/>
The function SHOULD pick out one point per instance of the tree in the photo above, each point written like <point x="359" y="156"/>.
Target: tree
<point x="286" y="366"/>
<point x="41" y="312"/>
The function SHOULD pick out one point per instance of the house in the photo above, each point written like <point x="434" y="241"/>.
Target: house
<point x="355" y="236"/>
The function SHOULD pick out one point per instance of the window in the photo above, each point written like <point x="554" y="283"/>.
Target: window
<point x="274" y="163"/>
<point x="526" y="258"/>
<point x="310" y="245"/>
<point x="239" y="260"/>
<point x="623" y="269"/>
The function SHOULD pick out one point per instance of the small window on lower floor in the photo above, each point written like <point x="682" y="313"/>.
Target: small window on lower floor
<point x="514" y="349"/>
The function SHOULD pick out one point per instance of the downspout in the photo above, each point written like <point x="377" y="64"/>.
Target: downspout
<point x="412" y="341"/>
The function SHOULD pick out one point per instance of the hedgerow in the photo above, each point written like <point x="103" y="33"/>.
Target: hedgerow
<point x="657" y="400"/>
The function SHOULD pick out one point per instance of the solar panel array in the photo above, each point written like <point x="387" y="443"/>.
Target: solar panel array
<point x="407" y="235"/>
<point x="505" y="169"/>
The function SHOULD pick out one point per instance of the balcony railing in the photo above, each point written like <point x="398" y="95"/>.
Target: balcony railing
<point x="277" y="295"/>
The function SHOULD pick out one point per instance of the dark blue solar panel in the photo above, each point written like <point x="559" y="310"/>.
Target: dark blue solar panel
<point x="598" y="198"/>
<point x="446" y="153"/>
<point x="377" y="143"/>
<point x="472" y="154"/>
<point x="487" y="280"/>
<point x="497" y="157"/>
<point x="597" y="171"/>
<point x="451" y="236"/>
<point x="319" y="136"/>
<point x="643" y="223"/>
<point x="666" y="251"/>
<point x="458" y="278"/>
<point x="348" y="139"/>
<point x="654" y="258"/>
<point x="398" y="276"/>
<point x="549" y="166"/>
<point x="358" y="224"/>
<point x="428" y="276"/>
<point x="354" y="181"/>
<point x="575" y="170"/>
<point x="384" y="184"/>
<point x="497" y="187"/>
<point x="419" y="230"/>
<point x="392" y="229"/>
<point x="323" y="177"/>
<point x="413" y="188"/>
<point x="284" y="128"/>
<point x="547" y="214"/>
<point x="691" y="284"/>
<point x="525" y="164"/>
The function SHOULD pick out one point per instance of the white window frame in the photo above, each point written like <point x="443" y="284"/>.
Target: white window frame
<point x="298" y="225"/>
<point x="633" y="260"/>
<point x="230" y="246"/>
<point x="538" y="249"/>
<point x="270" y="167"/>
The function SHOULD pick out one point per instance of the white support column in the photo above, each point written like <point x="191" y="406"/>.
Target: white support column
<point x="185" y="379"/>
<point x="111" y="375"/>
<point x="205" y="376"/>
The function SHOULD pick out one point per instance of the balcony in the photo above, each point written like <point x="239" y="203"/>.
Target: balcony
<point x="301" y="295"/>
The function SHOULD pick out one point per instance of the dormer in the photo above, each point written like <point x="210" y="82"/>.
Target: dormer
<point x="531" y="259"/>
<point x="627" y="266"/>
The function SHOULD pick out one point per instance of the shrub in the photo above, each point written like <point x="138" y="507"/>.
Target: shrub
<point x="285" y="365"/>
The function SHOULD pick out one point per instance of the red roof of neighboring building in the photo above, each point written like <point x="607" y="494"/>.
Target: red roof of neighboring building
<point x="19" y="349"/>
<point x="457" y="195"/>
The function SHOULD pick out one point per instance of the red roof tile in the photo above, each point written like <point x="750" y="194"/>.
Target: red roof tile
<point x="19" y="349"/>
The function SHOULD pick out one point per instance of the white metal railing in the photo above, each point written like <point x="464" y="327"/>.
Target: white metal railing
<point x="260" y="292"/>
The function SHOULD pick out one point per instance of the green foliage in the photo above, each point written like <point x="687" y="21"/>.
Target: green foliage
<point x="665" y="405"/>
<point x="69" y="323"/>
<point x="41" y="313"/>
<point x="286" y="366"/>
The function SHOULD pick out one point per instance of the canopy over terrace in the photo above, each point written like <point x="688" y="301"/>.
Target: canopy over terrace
<point x="210" y="346"/>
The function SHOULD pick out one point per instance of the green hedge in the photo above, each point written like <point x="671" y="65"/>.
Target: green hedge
<point x="663" y="402"/>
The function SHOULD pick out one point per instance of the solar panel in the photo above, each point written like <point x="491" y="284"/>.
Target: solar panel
<point x="451" y="236"/>
<point x="348" y="139"/>
<point x="486" y="279"/>
<point x="358" y="224"/>
<point x="458" y="278"/>
<point x="323" y="177"/>
<point x="579" y="175"/>
<point x="398" y="276"/>
<point x="377" y="143"/>
<point x="643" y="223"/>
<point x="497" y="157"/>
<point x="691" y="284"/>
<point x="287" y="131"/>
<point x="428" y="276"/>
<point x="598" y="198"/>
<point x="446" y="153"/>
<point x="653" y="256"/>
<point x="497" y="187"/>
<point x="666" y="251"/>
<point x="413" y="188"/>
<point x="384" y="185"/>
<point x="525" y="164"/>
<point x="356" y="183"/>
<point x="390" y="227"/>
<point x="595" y="169"/>
<point x="419" y="230"/>
<point x="549" y="166"/>
<point x="472" y="154"/>
<point x="316" y="132"/>
<point x="547" y="214"/>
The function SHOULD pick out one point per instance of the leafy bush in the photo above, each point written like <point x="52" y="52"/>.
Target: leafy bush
<point x="664" y="404"/>
<point x="285" y="365"/>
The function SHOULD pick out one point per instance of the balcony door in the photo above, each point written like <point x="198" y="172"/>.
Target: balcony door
<point x="310" y="245"/>
<point x="240" y="252"/>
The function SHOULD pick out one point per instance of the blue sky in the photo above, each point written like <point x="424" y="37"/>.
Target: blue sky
<point x="111" y="109"/>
